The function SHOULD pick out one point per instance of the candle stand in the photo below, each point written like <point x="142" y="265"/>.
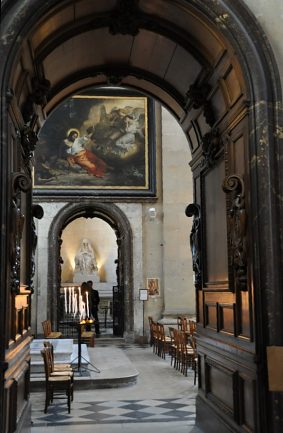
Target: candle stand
<point x="79" y="326"/>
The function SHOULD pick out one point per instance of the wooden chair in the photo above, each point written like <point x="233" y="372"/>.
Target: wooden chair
<point x="58" y="369"/>
<point x="179" y="323"/>
<point x="56" y="386"/>
<point x="88" y="338"/>
<point x="87" y="335"/>
<point x="164" y="341"/>
<point x="187" y="353"/>
<point x="184" y="324"/>
<point x="195" y="358"/>
<point x="155" y="337"/>
<point x="192" y="327"/>
<point x="56" y="366"/>
<point x="150" y="321"/>
<point x="178" y="350"/>
<point x="47" y="330"/>
<point x="172" y="345"/>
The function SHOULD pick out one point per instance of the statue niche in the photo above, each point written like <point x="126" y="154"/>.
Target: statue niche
<point x="85" y="264"/>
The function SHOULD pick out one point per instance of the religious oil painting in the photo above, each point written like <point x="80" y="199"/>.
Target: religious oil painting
<point x="153" y="287"/>
<point x="96" y="143"/>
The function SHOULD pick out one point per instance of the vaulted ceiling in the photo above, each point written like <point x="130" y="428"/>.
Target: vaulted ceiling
<point x="168" y="49"/>
<point x="160" y="47"/>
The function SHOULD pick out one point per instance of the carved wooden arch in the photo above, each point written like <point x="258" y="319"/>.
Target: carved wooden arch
<point x="241" y="30"/>
<point x="112" y="215"/>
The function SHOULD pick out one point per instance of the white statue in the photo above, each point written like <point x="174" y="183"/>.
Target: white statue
<point x="85" y="261"/>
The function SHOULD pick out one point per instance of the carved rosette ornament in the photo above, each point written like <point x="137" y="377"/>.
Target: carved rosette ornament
<point x="237" y="226"/>
<point x="20" y="183"/>
<point x="193" y="210"/>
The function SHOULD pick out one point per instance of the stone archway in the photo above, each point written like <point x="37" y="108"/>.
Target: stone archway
<point x="225" y="92"/>
<point x="111" y="214"/>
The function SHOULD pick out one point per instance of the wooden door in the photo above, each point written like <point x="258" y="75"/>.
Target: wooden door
<point x="118" y="311"/>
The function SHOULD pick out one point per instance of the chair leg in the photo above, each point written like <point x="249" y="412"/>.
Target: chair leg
<point x="69" y="400"/>
<point x="47" y="400"/>
<point x="46" y="404"/>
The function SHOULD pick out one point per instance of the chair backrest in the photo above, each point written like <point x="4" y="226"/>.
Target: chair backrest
<point x="171" y="333"/>
<point x="47" y="362"/>
<point x="46" y="326"/>
<point x="179" y="322"/>
<point x="48" y="345"/>
<point x="161" y="331"/>
<point x="192" y="326"/>
<point x="176" y="333"/>
<point x="193" y="342"/>
<point x="184" y="324"/>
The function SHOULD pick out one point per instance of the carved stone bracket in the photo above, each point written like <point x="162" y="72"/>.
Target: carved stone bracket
<point x="20" y="183"/>
<point x="211" y="147"/>
<point x="237" y="222"/>
<point x="195" y="242"/>
<point x="125" y="19"/>
<point x="40" y="89"/>
<point x="197" y="98"/>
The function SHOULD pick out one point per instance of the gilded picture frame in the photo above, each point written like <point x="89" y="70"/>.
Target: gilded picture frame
<point x="97" y="144"/>
<point x="153" y="287"/>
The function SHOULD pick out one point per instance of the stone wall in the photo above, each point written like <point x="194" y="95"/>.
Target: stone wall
<point x="160" y="244"/>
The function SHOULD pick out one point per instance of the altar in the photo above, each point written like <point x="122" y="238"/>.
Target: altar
<point x="65" y="352"/>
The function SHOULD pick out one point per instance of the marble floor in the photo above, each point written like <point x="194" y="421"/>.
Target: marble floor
<point x="161" y="399"/>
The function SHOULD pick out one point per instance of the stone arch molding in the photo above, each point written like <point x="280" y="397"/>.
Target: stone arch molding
<point x="112" y="215"/>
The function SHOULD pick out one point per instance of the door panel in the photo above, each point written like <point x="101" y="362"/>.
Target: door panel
<point x="118" y="311"/>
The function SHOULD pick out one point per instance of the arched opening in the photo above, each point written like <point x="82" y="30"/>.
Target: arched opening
<point x="89" y="252"/>
<point x="221" y="84"/>
<point x="116" y="219"/>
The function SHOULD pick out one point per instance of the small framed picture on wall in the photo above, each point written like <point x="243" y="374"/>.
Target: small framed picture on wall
<point x="153" y="287"/>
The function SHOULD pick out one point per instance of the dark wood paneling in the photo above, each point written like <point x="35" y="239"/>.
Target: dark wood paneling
<point x="200" y="306"/>
<point x="215" y="259"/>
<point x="194" y="141"/>
<point x="245" y="314"/>
<point x="220" y="385"/>
<point x="227" y="318"/>
<point x="230" y="384"/>
<point x="211" y="316"/>
<point x="231" y="85"/>
<point x="247" y="402"/>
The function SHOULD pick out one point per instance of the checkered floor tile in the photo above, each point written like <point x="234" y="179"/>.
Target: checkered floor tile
<point x="105" y="412"/>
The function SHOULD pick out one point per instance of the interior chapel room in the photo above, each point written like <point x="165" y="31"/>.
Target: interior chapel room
<point x="141" y="216"/>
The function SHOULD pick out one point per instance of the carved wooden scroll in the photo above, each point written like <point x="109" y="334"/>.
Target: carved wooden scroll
<point x="20" y="183"/>
<point x="237" y="222"/>
<point x="195" y="241"/>
<point x="28" y="142"/>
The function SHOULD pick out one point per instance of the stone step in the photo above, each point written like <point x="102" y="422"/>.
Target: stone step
<point x="109" y="367"/>
<point x="103" y="340"/>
